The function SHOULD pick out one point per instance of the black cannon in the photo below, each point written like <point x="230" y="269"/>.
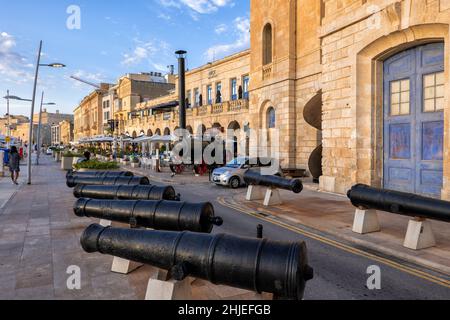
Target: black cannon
<point x="126" y="192"/>
<point x="159" y="215"/>
<point x="255" y="178"/>
<point x="72" y="181"/>
<point x="259" y="265"/>
<point x="365" y="198"/>
<point x="99" y="174"/>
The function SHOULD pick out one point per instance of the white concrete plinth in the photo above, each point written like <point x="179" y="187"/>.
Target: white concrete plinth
<point x="105" y="223"/>
<point x="158" y="290"/>
<point x="272" y="197"/>
<point x="2" y="169"/>
<point x="366" y="221"/>
<point x="419" y="235"/>
<point x="255" y="193"/>
<point x="124" y="266"/>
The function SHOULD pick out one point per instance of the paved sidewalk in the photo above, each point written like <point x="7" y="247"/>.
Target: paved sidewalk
<point x="40" y="240"/>
<point x="7" y="188"/>
<point x="333" y="214"/>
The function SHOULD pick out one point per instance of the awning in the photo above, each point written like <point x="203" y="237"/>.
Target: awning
<point x="167" y="105"/>
<point x="142" y="139"/>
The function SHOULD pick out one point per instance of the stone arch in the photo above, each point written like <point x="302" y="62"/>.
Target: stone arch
<point x="149" y="133"/>
<point x="369" y="103"/>
<point x="167" y="131"/>
<point x="189" y="129"/>
<point x="134" y="135"/>
<point x="158" y="132"/>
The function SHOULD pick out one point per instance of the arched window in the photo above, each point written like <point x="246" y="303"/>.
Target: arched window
<point x="267" y="44"/>
<point x="271" y="118"/>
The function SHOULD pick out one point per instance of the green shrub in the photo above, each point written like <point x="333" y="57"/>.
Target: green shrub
<point x="71" y="154"/>
<point x="97" y="165"/>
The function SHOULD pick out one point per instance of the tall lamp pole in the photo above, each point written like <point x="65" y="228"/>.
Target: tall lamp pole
<point x="38" y="142"/>
<point x="33" y="100"/>
<point x="181" y="54"/>
<point x="9" y="119"/>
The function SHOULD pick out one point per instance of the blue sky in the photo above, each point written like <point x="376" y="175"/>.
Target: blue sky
<point x="116" y="37"/>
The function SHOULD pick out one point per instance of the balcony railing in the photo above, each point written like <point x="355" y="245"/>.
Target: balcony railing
<point x="235" y="106"/>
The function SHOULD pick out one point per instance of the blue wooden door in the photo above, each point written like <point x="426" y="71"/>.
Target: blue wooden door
<point x="414" y="120"/>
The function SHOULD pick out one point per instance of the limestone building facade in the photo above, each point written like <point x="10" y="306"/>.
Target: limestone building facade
<point x="358" y="89"/>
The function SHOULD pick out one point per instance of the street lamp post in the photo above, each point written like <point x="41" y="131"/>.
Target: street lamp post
<point x="33" y="99"/>
<point x="38" y="142"/>
<point x="181" y="54"/>
<point x="9" y="119"/>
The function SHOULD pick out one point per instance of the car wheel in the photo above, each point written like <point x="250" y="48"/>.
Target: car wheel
<point x="235" y="183"/>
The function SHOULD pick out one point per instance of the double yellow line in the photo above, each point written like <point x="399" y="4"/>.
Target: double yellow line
<point x="393" y="264"/>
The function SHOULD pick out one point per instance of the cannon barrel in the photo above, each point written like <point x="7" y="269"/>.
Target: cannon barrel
<point x="252" y="177"/>
<point x="159" y="215"/>
<point x="72" y="181"/>
<point x="365" y="198"/>
<point x="259" y="265"/>
<point x="126" y="192"/>
<point x="99" y="174"/>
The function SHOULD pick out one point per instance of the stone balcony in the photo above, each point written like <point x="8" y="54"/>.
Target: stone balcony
<point x="224" y="108"/>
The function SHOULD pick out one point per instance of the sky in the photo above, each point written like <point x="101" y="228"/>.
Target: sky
<point x="101" y="40"/>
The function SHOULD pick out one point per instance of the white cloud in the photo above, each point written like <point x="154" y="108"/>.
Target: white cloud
<point x="199" y="6"/>
<point x="13" y="66"/>
<point x="241" y="27"/>
<point x="148" y="52"/>
<point x="221" y="28"/>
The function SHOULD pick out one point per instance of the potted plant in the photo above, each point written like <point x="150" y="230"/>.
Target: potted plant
<point x="96" y="165"/>
<point x="67" y="160"/>
<point x="135" y="163"/>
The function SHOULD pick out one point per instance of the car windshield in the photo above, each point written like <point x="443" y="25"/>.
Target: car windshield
<point x="236" y="163"/>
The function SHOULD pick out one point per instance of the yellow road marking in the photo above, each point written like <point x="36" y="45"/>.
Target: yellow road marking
<point x="393" y="264"/>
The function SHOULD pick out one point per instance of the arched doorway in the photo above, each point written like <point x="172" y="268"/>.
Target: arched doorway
<point x="413" y="119"/>
<point x="189" y="129"/>
<point x="158" y="132"/>
<point x="233" y="135"/>
<point x="149" y="133"/>
<point x="167" y="132"/>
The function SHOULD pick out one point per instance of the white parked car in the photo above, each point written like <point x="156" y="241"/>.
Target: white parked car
<point x="232" y="174"/>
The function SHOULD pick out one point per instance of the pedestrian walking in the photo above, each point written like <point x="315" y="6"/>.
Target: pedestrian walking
<point x="14" y="164"/>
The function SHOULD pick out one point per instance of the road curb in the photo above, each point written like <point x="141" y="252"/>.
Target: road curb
<point x="440" y="268"/>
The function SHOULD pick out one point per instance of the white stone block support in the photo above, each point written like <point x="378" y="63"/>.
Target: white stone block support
<point x="419" y="235"/>
<point x="366" y="221"/>
<point x="158" y="290"/>
<point x="105" y="223"/>
<point x="124" y="266"/>
<point x="255" y="193"/>
<point x="272" y="197"/>
<point x="2" y="169"/>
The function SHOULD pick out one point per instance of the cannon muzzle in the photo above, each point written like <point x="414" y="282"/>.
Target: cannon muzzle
<point x="159" y="215"/>
<point x="252" y="177"/>
<point x="72" y="181"/>
<point x="126" y="192"/>
<point x="259" y="265"/>
<point x="365" y="198"/>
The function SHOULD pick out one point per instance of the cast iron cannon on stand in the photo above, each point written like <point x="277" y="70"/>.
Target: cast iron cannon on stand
<point x="368" y="200"/>
<point x="160" y="215"/>
<point x="257" y="181"/>
<point x="259" y="265"/>
<point x="126" y="192"/>
<point x="72" y="181"/>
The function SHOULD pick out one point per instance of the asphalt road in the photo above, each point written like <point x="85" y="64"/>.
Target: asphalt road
<point x="340" y="269"/>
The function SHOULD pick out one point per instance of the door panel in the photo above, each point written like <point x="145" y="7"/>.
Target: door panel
<point x="413" y="120"/>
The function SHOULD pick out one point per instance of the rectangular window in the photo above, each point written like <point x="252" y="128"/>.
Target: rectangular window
<point x="197" y="97"/>
<point x="246" y="85"/>
<point x="209" y="94"/>
<point x="188" y="97"/>
<point x="219" y="92"/>
<point x="400" y="97"/>
<point x="433" y="92"/>
<point x="233" y="86"/>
